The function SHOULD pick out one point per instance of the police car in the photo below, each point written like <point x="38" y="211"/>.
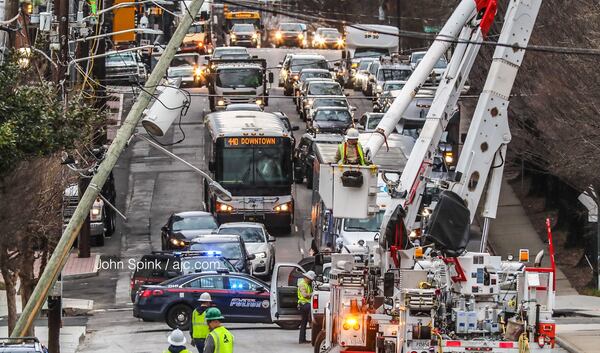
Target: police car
<point x="239" y="296"/>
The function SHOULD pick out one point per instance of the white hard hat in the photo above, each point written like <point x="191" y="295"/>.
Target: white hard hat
<point x="176" y="338"/>
<point x="310" y="275"/>
<point x="205" y="297"/>
<point x="352" y="134"/>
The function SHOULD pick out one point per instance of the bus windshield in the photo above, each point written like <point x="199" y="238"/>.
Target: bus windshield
<point x="239" y="77"/>
<point x="251" y="167"/>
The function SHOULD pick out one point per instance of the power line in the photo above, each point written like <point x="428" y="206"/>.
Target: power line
<point x="426" y="36"/>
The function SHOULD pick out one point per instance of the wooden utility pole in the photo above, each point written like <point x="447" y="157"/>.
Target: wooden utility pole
<point x="62" y="14"/>
<point x="61" y="252"/>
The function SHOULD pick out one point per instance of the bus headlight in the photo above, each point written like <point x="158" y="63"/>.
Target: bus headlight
<point x="224" y="208"/>
<point x="284" y="207"/>
<point x="351" y="322"/>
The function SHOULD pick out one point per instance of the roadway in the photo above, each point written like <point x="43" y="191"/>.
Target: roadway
<point x="150" y="187"/>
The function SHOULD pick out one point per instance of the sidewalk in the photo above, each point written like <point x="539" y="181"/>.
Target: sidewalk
<point x="81" y="267"/>
<point x="512" y="230"/>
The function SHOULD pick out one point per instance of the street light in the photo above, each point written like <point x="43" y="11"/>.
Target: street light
<point x="217" y="188"/>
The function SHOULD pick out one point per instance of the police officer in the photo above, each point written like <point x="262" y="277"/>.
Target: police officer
<point x="177" y="342"/>
<point x="350" y="151"/>
<point x="219" y="340"/>
<point x="199" y="328"/>
<point x="304" y="293"/>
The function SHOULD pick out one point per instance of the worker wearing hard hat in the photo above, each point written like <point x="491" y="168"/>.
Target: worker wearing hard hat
<point x="219" y="340"/>
<point x="350" y="151"/>
<point x="304" y="293"/>
<point x="199" y="328"/>
<point x="176" y="342"/>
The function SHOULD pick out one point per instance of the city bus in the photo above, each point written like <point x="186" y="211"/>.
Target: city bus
<point x="250" y="155"/>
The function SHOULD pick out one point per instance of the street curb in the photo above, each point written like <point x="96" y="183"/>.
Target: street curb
<point x="567" y="346"/>
<point x="86" y="274"/>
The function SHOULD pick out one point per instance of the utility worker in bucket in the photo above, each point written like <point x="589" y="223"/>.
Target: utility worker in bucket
<point x="350" y="151"/>
<point x="304" y="295"/>
<point x="199" y="328"/>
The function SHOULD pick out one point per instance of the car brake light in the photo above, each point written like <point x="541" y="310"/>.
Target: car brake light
<point x="315" y="302"/>
<point x="452" y="343"/>
<point x="150" y="293"/>
<point x="505" y="345"/>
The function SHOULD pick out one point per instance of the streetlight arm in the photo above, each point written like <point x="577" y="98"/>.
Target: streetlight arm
<point x="223" y="193"/>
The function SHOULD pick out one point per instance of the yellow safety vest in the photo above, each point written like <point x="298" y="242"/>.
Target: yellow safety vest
<point x="223" y="340"/>
<point x="342" y="147"/>
<point x="199" y="326"/>
<point x="307" y="287"/>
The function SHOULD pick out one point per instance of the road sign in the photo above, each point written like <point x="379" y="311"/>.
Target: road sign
<point x="431" y="29"/>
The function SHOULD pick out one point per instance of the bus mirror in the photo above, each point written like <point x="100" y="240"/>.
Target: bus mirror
<point x="221" y="192"/>
<point x="271" y="77"/>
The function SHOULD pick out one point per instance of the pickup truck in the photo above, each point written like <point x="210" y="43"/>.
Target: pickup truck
<point x="319" y="300"/>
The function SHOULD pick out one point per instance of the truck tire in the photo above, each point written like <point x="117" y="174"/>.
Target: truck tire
<point x="319" y="343"/>
<point x="289" y="325"/>
<point x="315" y="330"/>
<point x="179" y="316"/>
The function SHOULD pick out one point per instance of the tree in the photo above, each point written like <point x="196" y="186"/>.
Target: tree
<point x="35" y="124"/>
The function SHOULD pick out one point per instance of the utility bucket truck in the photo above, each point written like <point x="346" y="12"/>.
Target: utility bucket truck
<point x="420" y="290"/>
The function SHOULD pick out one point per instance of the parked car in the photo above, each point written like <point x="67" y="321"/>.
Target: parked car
<point x="258" y="242"/>
<point x="330" y="120"/>
<point x="244" y="34"/>
<point x="160" y="266"/>
<point x="189" y="67"/>
<point x="182" y="227"/>
<point x="125" y="68"/>
<point x="232" y="247"/>
<point x="304" y="155"/>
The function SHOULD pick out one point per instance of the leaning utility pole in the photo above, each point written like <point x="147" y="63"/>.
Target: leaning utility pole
<point x="62" y="14"/>
<point x="59" y="257"/>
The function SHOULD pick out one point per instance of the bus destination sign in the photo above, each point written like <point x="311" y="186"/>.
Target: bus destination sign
<point x="251" y="141"/>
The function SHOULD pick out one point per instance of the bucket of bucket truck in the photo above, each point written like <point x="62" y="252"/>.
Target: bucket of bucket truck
<point x="350" y="191"/>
